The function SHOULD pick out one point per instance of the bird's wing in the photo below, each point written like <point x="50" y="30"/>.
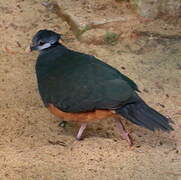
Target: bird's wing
<point x="80" y="82"/>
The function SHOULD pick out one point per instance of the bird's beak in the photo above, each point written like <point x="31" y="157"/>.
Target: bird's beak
<point x="33" y="47"/>
<point x="28" y="49"/>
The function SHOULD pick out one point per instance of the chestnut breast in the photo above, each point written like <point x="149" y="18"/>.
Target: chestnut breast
<point x="80" y="117"/>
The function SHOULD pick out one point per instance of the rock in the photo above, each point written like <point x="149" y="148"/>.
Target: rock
<point x="153" y="8"/>
<point x="146" y="8"/>
<point x="171" y="7"/>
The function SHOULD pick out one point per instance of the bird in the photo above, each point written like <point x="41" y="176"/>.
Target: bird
<point x="79" y="87"/>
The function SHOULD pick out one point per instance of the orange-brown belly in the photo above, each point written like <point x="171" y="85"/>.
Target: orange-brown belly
<point x="80" y="117"/>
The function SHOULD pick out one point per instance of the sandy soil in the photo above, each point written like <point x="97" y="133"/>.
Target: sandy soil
<point x="33" y="146"/>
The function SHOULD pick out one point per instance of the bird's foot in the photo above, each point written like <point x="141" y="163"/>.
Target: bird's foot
<point x="125" y="135"/>
<point x="81" y="130"/>
<point x="62" y="124"/>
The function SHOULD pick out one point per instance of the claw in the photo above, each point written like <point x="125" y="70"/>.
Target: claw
<point x="63" y="124"/>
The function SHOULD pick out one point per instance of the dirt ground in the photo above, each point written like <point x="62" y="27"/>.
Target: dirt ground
<point x="33" y="146"/>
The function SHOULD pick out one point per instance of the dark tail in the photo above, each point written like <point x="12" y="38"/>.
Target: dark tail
<point x="143" y="115"/>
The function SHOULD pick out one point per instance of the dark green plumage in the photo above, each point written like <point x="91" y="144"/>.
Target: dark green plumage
<point x="77" y="82"/>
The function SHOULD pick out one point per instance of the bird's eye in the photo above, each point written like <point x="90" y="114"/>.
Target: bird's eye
<point x="41" y="43"/>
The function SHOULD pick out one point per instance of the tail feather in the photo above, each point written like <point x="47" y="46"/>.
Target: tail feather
<point x="143" y="115"/>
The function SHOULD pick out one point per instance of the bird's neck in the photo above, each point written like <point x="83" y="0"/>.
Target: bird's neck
<point x="52" y="47"/>
<point x="50" y="58"/>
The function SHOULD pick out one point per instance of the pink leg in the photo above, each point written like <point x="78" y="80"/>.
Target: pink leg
<point x="81" y="130"/>
<point x="125" y="135"/>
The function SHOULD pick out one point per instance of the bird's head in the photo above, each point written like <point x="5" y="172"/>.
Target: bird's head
<point x="44" y="39"/>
